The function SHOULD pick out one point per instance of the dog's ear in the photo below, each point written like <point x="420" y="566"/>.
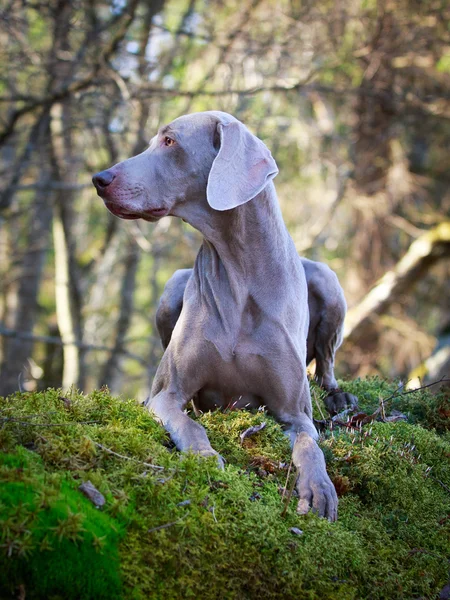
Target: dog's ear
<point x="242" y="168"/>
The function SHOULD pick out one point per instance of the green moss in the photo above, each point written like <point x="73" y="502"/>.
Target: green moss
<point x="53" y="540"/>
<point x="423" y="407"/>
<point x="224" y="429"/>
<point x="174" y="526"/>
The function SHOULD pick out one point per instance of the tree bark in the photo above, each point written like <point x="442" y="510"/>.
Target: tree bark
<point x="66" y="165"/>
<point x="71" y="368"/>
<point x="18" y="351"/>
<point x="112" y="374"/>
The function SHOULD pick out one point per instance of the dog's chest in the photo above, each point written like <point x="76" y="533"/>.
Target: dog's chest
<point x="235" y="328"/>
<point x="247" y="338"/>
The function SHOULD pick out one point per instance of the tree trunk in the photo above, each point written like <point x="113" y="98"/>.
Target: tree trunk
<point x="112" y="374"/>
<point x="66" y="328"/>
<point x="67" y="294"/>
<point x="18" y="351"/>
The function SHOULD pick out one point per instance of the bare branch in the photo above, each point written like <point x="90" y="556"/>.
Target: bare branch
<point x="31" y="424"/>
<point x="422" y="254"/>
<point x="48" y="339"/>
<point x="109" y="451"/>
<point x="324" y="220"/>
<point x="168" y="524"/>
<point x="423" y="387"/>
<point x="76" y="86"/>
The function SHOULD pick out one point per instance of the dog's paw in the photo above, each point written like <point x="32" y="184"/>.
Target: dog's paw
<point x="318" y="495"/>
<point x="337" y="401"/>
<point x="220" y="459"/>
<point x="315" y="489"/>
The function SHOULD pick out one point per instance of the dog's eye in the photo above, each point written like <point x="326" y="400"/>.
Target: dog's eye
<point x="168" y="141"/>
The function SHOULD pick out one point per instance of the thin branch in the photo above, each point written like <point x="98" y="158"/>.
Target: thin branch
<point x="423" y="387"/>
<point x="324" y="221"/>
<point x="446" y="488"/>
<point x="423" y="253"/>
<point x="405" y="226"/>
<point x="167" y="524"/>
<point x="76" y="86"/>
<point x="31" y="424"/>
<point x="152" y="90"/>
<point x="404" y="104"/>
<point x="361" y="419"/>
<point x="287" y="480"/>
<point x="49" y="339"/>
<point x="109" y="451"/>
<point x="185" y="32"/>
<point x="314" y="394"/>
<point x="53" y="185"/>
<point x="289" y="496"/>
<point x="36" y="134"/>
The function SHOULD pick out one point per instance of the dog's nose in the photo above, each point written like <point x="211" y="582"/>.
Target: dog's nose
<point x="103" y="179"/>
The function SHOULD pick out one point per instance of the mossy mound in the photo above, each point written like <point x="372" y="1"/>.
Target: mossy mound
<point x="52" y="537"/>
<point x="174" y="526"/>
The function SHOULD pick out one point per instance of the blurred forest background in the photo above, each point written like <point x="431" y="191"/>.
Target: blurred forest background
<point x="353" y="99"/>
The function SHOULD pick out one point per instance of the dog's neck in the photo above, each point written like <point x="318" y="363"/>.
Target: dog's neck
<point x="250" y="240"/>
<point x="245" y="265"/>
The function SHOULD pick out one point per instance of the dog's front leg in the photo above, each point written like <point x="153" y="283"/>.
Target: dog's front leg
<point x="167" y="403"/>
<point x="186" y="434"/>
<point x="315" y="488"/>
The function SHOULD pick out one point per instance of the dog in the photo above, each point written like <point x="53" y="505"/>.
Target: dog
<point x="235" y="327"/>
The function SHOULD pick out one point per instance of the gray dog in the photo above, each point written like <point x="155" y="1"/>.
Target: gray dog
<point x="235" y="327"/>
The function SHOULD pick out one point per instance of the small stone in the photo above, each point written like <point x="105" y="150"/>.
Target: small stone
<point x="255" y="496"/>
<point x="445" y="593"/>
<point x="92" y="493"/>
<point x="67" y="402"/>
<point x="296" y="531"/>
<point x="184" y="503"/>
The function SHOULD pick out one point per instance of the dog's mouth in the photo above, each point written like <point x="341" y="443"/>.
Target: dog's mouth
<point x="150" y="214"/>
<point x="156" y="213"/>
<point x="118" y="211"/>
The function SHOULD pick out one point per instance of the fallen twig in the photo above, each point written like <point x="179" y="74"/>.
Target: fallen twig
<point x="423" y="387"/>
<point x="287" y="479"/>
<point x="291" y="489"/>
<point x="342" y="415"/>
<point x="361" y="419"/>
<point x="251" y="431"/>
<point x="109" y="451"/>
<point x="30" y="423"/>
<point x="441" y="483"/>
<point x="167" y="524"/>
<point x="318" y="405"/>
<point x="289" y="496"/>
<point x="394" y="418"/>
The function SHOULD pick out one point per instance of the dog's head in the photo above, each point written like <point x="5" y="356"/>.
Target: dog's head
<point x="203" y="159"/>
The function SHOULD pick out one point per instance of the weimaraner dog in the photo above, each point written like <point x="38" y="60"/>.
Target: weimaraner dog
<point x="237" y="323"/>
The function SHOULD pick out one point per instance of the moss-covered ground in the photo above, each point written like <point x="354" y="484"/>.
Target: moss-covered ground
<point x="175" y="527"/>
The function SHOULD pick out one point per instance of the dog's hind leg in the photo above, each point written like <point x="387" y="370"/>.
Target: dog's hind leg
<point x="171" y="304"/>
<point x="327" y="308"/>
<point x="327" y="341"/>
